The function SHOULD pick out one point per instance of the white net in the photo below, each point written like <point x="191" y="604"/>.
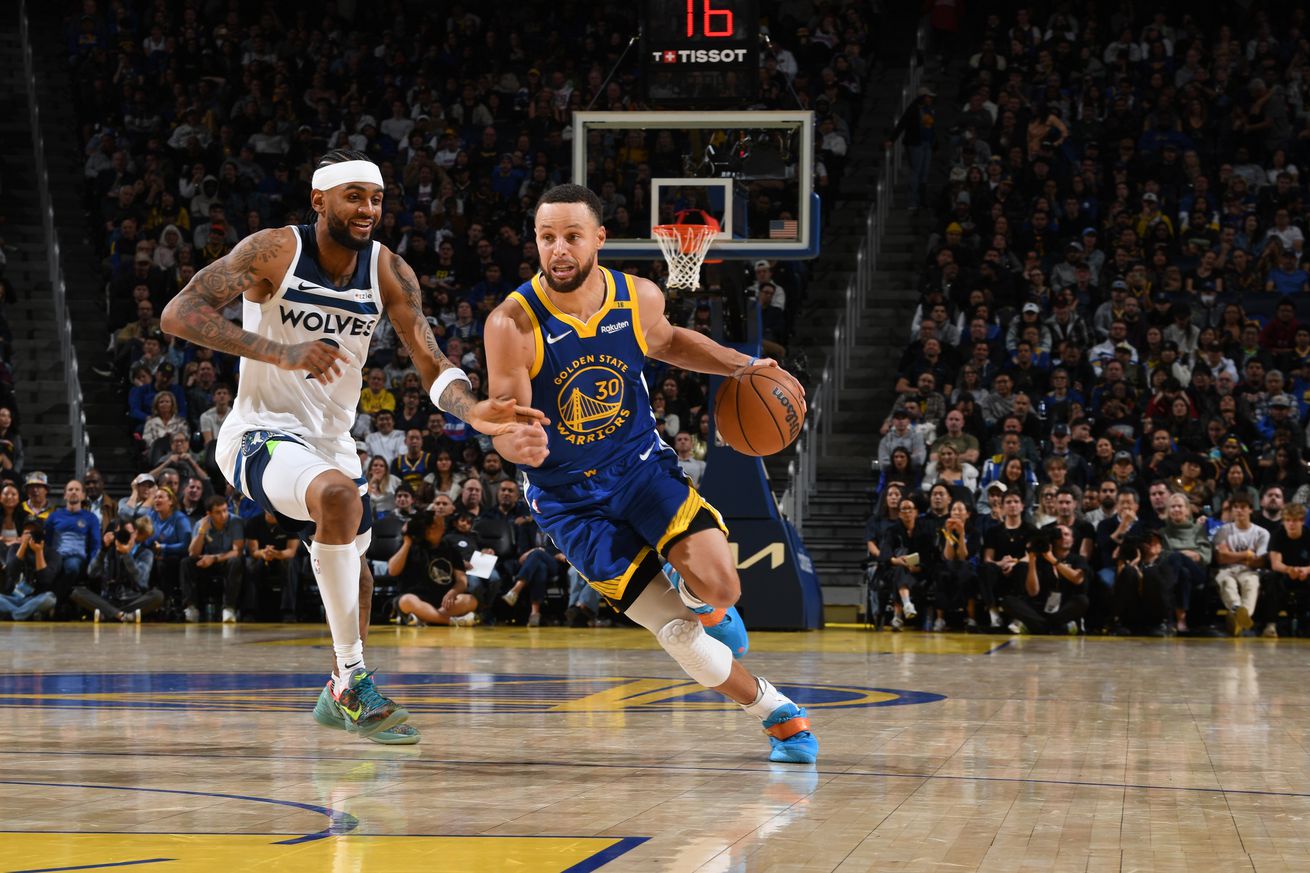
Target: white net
<point x="684" y="247"/>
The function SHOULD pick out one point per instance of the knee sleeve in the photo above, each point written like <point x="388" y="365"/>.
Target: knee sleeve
<point x="706" y="660"/>
<point x="363" y="541"/>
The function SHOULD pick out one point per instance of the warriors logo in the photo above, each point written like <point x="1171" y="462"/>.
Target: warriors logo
<point x="591" y="391"/>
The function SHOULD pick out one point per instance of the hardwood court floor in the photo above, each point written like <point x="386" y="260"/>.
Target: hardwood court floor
<point x="167" y="747"/>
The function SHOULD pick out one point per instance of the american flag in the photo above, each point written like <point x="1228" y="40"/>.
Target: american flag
<point x="783" y="229"/>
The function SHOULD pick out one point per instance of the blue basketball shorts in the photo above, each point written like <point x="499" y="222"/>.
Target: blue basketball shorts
<point x="614" y="526"/>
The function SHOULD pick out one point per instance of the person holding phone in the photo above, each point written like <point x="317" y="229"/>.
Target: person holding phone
<point x="909" y="551"/>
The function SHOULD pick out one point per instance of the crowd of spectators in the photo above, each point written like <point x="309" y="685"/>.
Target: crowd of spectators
<point x="1101" y="420"/>
<point x="202" y="126"/>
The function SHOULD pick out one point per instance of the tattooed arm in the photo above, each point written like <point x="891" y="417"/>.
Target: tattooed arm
<point x="403" y="299"/>
<point x="195" y="314"/>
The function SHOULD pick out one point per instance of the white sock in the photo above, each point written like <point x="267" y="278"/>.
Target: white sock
<point x="905" y="598"/>
<point x="336" y="567"/>
<point x="766" y="701"/>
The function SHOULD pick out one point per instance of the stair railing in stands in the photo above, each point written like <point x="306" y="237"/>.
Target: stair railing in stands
<point x="82" y="457"/>
<point x="825" y="396"/>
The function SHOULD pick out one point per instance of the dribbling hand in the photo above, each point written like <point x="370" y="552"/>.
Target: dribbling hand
<point x="324" y="361"/>
<point x="798" y="388"/>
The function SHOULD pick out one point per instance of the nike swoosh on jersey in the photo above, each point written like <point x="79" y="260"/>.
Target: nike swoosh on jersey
<point x="554" y="339"/>
<point x="646" y="454"/>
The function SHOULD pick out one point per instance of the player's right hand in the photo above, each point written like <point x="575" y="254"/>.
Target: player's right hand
<point x="324" y="361"/>
<point x="527" y="443"/>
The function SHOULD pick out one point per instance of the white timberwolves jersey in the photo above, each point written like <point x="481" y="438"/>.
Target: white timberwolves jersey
<point x="307" y="306"/>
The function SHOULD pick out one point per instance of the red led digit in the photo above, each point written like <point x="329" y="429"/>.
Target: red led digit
<point x="709" y="15"/>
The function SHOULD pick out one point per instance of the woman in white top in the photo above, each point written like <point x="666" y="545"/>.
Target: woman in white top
<point x="165" y="421"/>
<point x="445" y="478"/>
<point x="382" y="485"/>
<point x="950" y="469"/>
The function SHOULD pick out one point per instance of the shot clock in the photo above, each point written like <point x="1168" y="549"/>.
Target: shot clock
<point x="700" y="52"/>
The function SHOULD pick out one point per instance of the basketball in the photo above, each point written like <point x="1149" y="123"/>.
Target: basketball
<point x="759" y="412"/>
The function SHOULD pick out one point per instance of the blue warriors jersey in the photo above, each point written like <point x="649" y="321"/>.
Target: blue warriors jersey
<point x="587" y="378"/>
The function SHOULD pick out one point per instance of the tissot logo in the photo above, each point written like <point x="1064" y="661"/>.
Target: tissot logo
<point x="699" y="56"/>
<point x="329" y="323"/>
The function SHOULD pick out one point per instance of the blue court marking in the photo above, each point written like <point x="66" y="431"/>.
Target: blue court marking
<point x="604" y="856"/>
<point x="454" y="692"/>
<point x="96" y="866"/>
<point x="339" y="822"/>
<point x="995" y="649"/>
<point x="636" y="765"/>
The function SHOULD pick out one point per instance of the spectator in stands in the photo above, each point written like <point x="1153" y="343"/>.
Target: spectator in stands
<point x="693" y="468"/>
<point x="211" y="420"/>
<point x="918" y="125"/>
<point x="948" y="468"/>
<point x="164" y="420"/>
<point x="11" y="443"/>
<point x="215" y="553"/>
<point x="72" y="533"/>
<point x="1187" y="553"/>
<point x="901" y="435"/>
<point x="170" y="540"/>
<point x="141" y="500"/>
<point x="180" y="459"/>
<point x="192" y="504"/>
<point x="405" y="508"/>
<point x="1141" y="586"/>
<point x="122" y="568"/>
<point x="432" y="576"/>
<point x="385" y="441"/>
<point x="955" y="580"/>
<point x="909" y="554"/>
<point x="1005" y="548"/>
<point x="271" y="561"/>
<point x="446" y="479"/>
<point x="382" y="485"/>
<point x="1054" y="597"/>
<point x="37" y="487"/>
<point x="1272" y="504"/>
<point x="1240" y="550"/>
<point x="30" y="578"/>
<point x="414" y="464"/>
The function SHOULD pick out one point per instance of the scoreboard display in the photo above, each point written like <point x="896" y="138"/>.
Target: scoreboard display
<point x="700" y="52"/>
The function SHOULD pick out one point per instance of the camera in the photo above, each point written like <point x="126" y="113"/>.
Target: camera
<point x="122" y="532"/>
<point x="417" y="527"/>
<point x="35" y="530"/>
<point x="1043" y="541"/>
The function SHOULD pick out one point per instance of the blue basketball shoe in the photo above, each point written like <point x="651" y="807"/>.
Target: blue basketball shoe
<point x="790" y="736"/>
<point x="724" y="625"/>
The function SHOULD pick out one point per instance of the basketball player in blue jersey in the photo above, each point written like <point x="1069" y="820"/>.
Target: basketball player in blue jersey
<point x="610" y="493"/>
<point x="313" y="295"/>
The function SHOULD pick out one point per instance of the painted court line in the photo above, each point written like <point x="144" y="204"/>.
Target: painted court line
<point x="414" y="762"/>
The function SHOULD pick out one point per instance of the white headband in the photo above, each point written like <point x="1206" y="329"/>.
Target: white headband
<point x="326" y="178"/>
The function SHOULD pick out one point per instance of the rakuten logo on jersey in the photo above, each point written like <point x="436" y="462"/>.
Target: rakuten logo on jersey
<point x="699" y="56"/>
<point x="330" y="323"/>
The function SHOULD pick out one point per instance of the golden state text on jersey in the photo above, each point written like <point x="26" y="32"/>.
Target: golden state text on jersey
<point x="587" y="377"/>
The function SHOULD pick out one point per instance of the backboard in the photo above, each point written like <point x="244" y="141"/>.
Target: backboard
<point x="752" y="171"/>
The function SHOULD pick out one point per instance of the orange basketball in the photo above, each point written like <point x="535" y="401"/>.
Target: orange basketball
<point x="759" y="412"/>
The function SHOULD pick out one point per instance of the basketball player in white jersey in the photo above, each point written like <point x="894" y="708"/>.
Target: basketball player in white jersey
<point x="313" y="295"/>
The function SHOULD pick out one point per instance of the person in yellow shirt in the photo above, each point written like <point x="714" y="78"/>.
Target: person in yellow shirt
<point x="375" y="396"/>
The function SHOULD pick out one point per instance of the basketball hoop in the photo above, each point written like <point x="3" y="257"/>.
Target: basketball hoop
<point x="684" y="247"/>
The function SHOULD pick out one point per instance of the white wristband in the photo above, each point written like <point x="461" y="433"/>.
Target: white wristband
<point x="448" y="375"/>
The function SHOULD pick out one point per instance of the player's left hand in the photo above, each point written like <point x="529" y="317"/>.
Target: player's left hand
<point x="529" y="443"/>
<point x="797" y="387"/>
<point x="496" y="417"/>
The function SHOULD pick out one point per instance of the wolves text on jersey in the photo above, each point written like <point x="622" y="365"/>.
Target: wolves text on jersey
<point x="329" y="323"/>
